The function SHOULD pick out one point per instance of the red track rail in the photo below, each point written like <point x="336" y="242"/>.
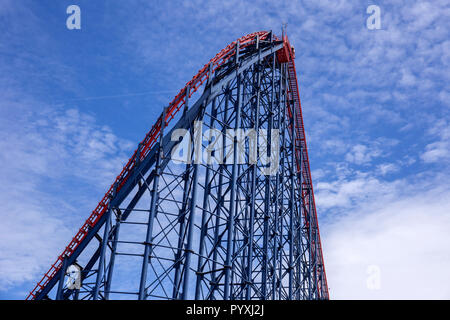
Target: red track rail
<point x="146" y="145"/>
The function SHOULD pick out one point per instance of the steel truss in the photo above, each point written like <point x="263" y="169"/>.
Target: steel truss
<point x="217" y="226"/>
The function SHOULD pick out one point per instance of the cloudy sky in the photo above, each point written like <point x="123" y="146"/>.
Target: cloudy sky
<point x="74" y="104"/>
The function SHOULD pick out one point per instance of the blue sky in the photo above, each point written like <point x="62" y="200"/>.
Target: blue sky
<point x="74" y="104"/>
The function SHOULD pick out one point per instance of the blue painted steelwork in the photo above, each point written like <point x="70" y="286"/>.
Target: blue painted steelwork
<point x="244" y="234"/>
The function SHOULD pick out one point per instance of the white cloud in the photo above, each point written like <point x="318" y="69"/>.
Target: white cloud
<point x="386" y="168"/>
<point x="361" y="154"/>
<point x="46" y="155"/>
<point x="406" y="237"/>
<point x="31" y="236"/>
<point x="407" y="79"/>
<point x="347" y="192"/>
<point x="421" y="14"/>
<point x="436" y="151"/>
<point x="439" y="150"/>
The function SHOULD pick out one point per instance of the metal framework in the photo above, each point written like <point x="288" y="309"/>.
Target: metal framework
<point x="221" y="224"/>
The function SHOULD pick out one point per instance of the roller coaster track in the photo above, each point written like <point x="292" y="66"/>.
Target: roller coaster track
<point x="148" y="147"/>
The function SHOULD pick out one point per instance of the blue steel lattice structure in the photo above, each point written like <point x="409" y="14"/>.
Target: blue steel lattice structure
<point x="220" y="226"/>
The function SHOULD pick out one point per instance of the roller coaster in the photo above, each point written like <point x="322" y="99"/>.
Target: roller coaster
<point x="235" y="221"/>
